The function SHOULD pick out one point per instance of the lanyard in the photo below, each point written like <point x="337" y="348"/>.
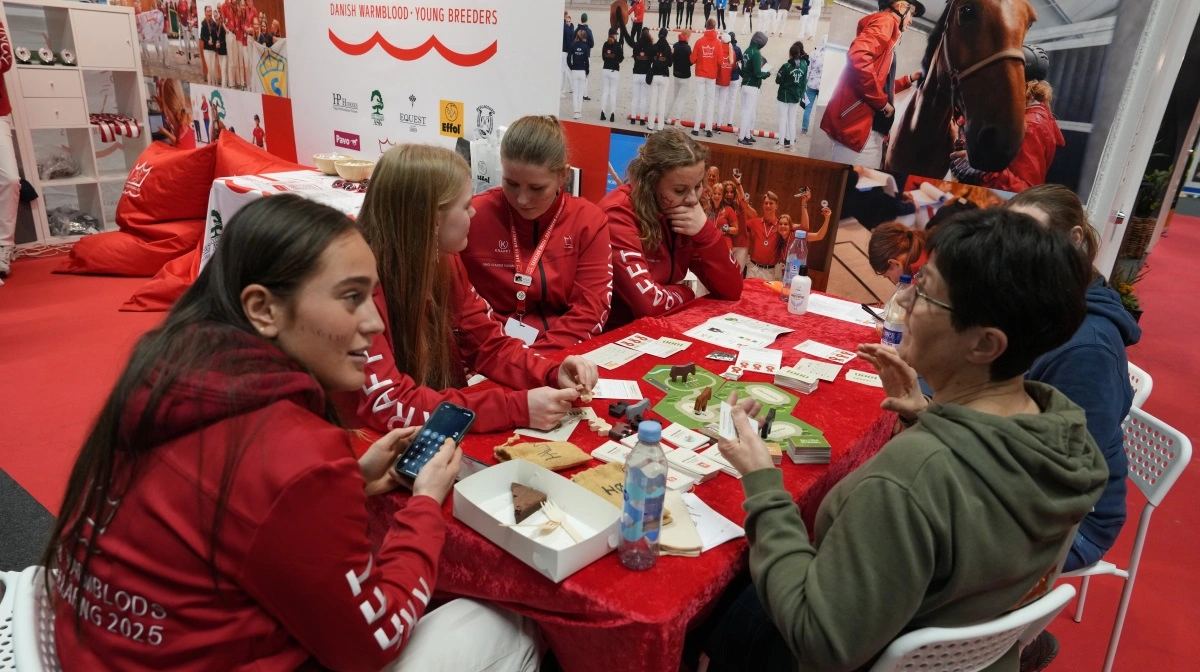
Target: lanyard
<point x="525" y="279"/>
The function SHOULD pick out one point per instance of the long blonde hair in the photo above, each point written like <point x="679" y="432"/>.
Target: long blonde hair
<point x="663" y="152"/>
<point x="410" y="189"/>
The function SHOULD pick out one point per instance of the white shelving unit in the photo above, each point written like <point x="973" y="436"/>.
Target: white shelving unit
<point x="51" y="104"/>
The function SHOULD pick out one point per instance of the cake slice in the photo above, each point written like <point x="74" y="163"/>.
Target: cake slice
<point x="526" y="501"/>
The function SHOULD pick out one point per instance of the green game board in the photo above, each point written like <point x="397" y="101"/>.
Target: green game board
<point x="680" y="400"/>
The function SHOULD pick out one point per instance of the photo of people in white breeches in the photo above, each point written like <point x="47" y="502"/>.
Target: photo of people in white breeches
<point x="706" y="104"/>
<point x="608" y="98"/>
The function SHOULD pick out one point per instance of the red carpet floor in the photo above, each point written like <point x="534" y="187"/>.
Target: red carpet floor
<point x="63" y="344"/>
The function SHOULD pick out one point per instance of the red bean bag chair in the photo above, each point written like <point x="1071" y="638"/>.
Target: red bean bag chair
<point x="159" y="217"/>
<point x="235" y="156"/>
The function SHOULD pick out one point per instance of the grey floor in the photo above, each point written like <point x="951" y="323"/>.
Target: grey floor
<point x="24" y="526"/>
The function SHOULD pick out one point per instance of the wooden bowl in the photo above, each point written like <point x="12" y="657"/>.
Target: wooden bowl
<point x="324" y="162"/>
<point x="354" y="170"/>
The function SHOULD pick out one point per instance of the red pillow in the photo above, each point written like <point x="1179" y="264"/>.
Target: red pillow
<point x="167" y="185"/>
<point x="164" y="289"/>
<point x="236" y="156"/>
<point x="131" y="254"/>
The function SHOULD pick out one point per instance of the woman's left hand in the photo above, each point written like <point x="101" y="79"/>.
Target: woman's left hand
<point x="376" y="463"/>
<point x="748" y="452"/>
<point x="576" y="371"/>
<point x="686" y="220"/>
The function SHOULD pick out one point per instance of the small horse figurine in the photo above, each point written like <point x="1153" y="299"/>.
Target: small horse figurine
<point x="701" y="403"/>
<point x="634" y="413"/>
<point x="974" y="67"/>
<point x="682" y="371"/>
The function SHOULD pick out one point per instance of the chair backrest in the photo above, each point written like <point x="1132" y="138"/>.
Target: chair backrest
<point x="974" y="647"/>
<point x="1142" y="384"/>
<point x="1157" y="453"/>
<point x="33" y="646"/>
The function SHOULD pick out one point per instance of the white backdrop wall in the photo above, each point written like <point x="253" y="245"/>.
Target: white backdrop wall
<point x="442" y="70"/>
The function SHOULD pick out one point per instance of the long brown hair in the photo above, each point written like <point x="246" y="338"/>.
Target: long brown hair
<point x="410" y="189"/>
<point x="663" y="152"/>
<point x="538" y="140"/>
<point x="894" y="240"/>
<point x="1064" y="211"/>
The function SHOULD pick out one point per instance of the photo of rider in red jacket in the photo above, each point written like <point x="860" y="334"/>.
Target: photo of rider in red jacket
<point x="860" y="90"/>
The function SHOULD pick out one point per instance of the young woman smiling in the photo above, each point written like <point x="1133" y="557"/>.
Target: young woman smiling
<point x="659" y="231"/>
<point x="539" y="255"/>
<point x="416" y="217"/>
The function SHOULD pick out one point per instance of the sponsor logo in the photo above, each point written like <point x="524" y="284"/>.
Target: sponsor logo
<point x="568" y="244"/>
<point x="481" y="173"/>
<point x="272" y="72"/>
<point x="217" y="104"/>
<point x="214" y="234"/>
<point x="137" y="176"/>
<point x="377" y="107"/>
<point x="343" y="140"/>
<point x="413" y="121"/>
<point x="451" y="118"/>
<point x="485" y="121"/>
<point x="503" y="246"/>
<point x="343" y="104"/>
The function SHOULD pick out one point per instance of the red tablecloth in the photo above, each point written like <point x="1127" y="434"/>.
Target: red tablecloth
<point x="606" y="617"/>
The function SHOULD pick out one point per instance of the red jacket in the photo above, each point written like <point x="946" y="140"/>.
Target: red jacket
<point x="299" y="583"/>
<point x="708" y="53"/>
<point x="390" y="399"/>
<point x="6" y="63"/>
<point x="724" y="69"/>
<point x="1028" y="168"/>
<point x="572" y="289"/>
<point x="646" y="281"/>
<point x="860" y="89"/>
<point x="638" y="9"/>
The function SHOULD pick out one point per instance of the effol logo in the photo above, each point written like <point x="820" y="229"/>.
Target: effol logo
<point x="485" y="121"/>
<point x="137" y="176"/>
<point x="481" y="174"/>
<point x="451" y="118"/>
<point x="343" y="140"/>
<point x="377" y="107"/>
<point x="343" y="104"/>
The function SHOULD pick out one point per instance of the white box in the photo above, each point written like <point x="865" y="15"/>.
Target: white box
<point x="484" y="503"/>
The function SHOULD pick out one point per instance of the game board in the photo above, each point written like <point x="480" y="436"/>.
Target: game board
<point x="680" y="400"/>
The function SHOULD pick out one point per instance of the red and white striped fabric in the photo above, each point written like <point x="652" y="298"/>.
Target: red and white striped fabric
<point x="112" y="125"/>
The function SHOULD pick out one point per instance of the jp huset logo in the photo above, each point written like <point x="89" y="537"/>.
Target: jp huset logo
<point x="343" y="104"/>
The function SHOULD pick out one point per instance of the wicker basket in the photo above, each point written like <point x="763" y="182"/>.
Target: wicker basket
<point x="1137" y="237"/>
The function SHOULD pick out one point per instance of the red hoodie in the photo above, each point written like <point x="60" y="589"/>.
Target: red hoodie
<point x="391" y="399"/>
<point x="1029" y="167"/>
<point x="708" y="53"/>
<point x="299" y="584"/>
<point x="571" y="293"/>
<point x="646" y="281"/>
<point x="860" y="89"/>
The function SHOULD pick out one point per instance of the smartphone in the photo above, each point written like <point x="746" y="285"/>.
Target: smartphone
<point x="447" y="421"/>
<point x="469" y="466"/>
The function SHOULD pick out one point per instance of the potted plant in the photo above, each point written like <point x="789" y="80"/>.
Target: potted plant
<point x="1124" y="280"/>
<point x="1145" y="214"/>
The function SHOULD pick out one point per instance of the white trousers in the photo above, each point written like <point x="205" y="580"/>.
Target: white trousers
<point x="766" y="19"/>
<point x="725" y="111"/>
<point x="742" y="256"/>
<point x="749" y="100"/>
<point x="756" y="271"/>
<point x="744" y="25"/>
<point x="722" y="102"/>
<point x="871" y="155"/>
<point x="500" y="641"/>
<point x="780" y="21"/>
<point x="10" y="183"/>
<point x="808" y="24"/>
<point x="577" y="77"/>
<point x="787" y="122"/>
<point x="660" y="90"/>
<point x="678" y="92"/>
<point x="706" y="102"/>
<point x="233" y="57"/>
<point x="608" y="99"/>
<point x="641" y="95"/>
<point x="566" y="74"/>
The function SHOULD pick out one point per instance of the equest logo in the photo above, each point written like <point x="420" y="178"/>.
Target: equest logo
<point x="343" y="104"/>
<point x="451" y="118"/>
<point x="346" y="141"/>
<point x="413" y="121"/>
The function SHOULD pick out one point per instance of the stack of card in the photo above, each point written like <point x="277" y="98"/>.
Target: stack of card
<point x="808" y="448"/>
<point x="713" y="454"/>
<point x="611" y="451"/>
<point x="693" y="465"/>
<point x="795" y="379"/>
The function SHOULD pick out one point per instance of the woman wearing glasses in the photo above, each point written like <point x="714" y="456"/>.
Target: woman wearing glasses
<point x="963" y="516"/>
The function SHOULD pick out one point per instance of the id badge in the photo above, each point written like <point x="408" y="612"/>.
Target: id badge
<point x="523" y="280"/>
<point x="520" y="331"/>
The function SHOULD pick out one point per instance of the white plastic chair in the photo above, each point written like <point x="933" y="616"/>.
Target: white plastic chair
<point x="1142" y="384"/>
<point x="973" y="647"/>
<point x="26" y="624"/>
<point x="1157" y="455"/>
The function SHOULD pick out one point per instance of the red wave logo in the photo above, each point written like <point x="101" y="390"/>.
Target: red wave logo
<point x="459" y="59"/>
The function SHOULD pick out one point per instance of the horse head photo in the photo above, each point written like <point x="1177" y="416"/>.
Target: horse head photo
<point x="974" y="70"/>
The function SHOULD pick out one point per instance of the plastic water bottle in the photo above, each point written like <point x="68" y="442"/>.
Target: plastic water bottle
<point x="894" y="314"/>
<point x="801" y="288"/>
<point x="645" y="492"/>
<point x="797" y="256"/>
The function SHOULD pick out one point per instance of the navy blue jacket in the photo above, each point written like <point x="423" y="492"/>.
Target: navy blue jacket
<point x="568" y="36"/>
<point x="591" y="40"/>
<point x="1093" y="371"/>
<point x="737" y="63"/>
<point x="579" y="55"/>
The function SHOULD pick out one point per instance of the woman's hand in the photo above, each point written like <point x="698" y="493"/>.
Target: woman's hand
<point x="376" y="464"/>
<point x="687" y="220"/>
<point x="547" y="406"/>
<point x="805" y="196"/>
<point x="575" y="371"/>
<point x="748" y="452"/>
<point x="899" y="380"/>
<point x="437" y="476"/>
<point x="826" y="213"/>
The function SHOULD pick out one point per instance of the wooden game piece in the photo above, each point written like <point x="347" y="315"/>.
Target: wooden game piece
<point x="619" y="431"/>
<point x="585" y="395"/>
<point x="634" y="413"/>
<point x="618" y="409"/>
<point x="701" y="404"/>
<point x="682" y="371"/>
<point x="599" y="426"/>
<point x="765" y="430"/>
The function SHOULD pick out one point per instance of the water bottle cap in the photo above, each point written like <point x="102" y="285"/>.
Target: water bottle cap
<point x="649" y="431"/>
<point x="802" y="234"/>
<point x="905" y="279"/>
<point x="803" y="269"/>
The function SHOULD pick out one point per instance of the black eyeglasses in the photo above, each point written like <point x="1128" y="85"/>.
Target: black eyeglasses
<point x="917" y="293"/>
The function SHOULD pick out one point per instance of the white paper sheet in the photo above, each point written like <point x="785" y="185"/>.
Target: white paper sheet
<point x="611" y="356"/>
<point x="611" y="388"/>
<point x="829" y="352"/>
<point x="711" y="332"/>
<point x="760" y="360"/>
<point x="567" y="427"/>
<point x="823" y="370"/>
<point x="714" y="528"/>
<point x="651" y="346"/>
<point x="846" y="311"/>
